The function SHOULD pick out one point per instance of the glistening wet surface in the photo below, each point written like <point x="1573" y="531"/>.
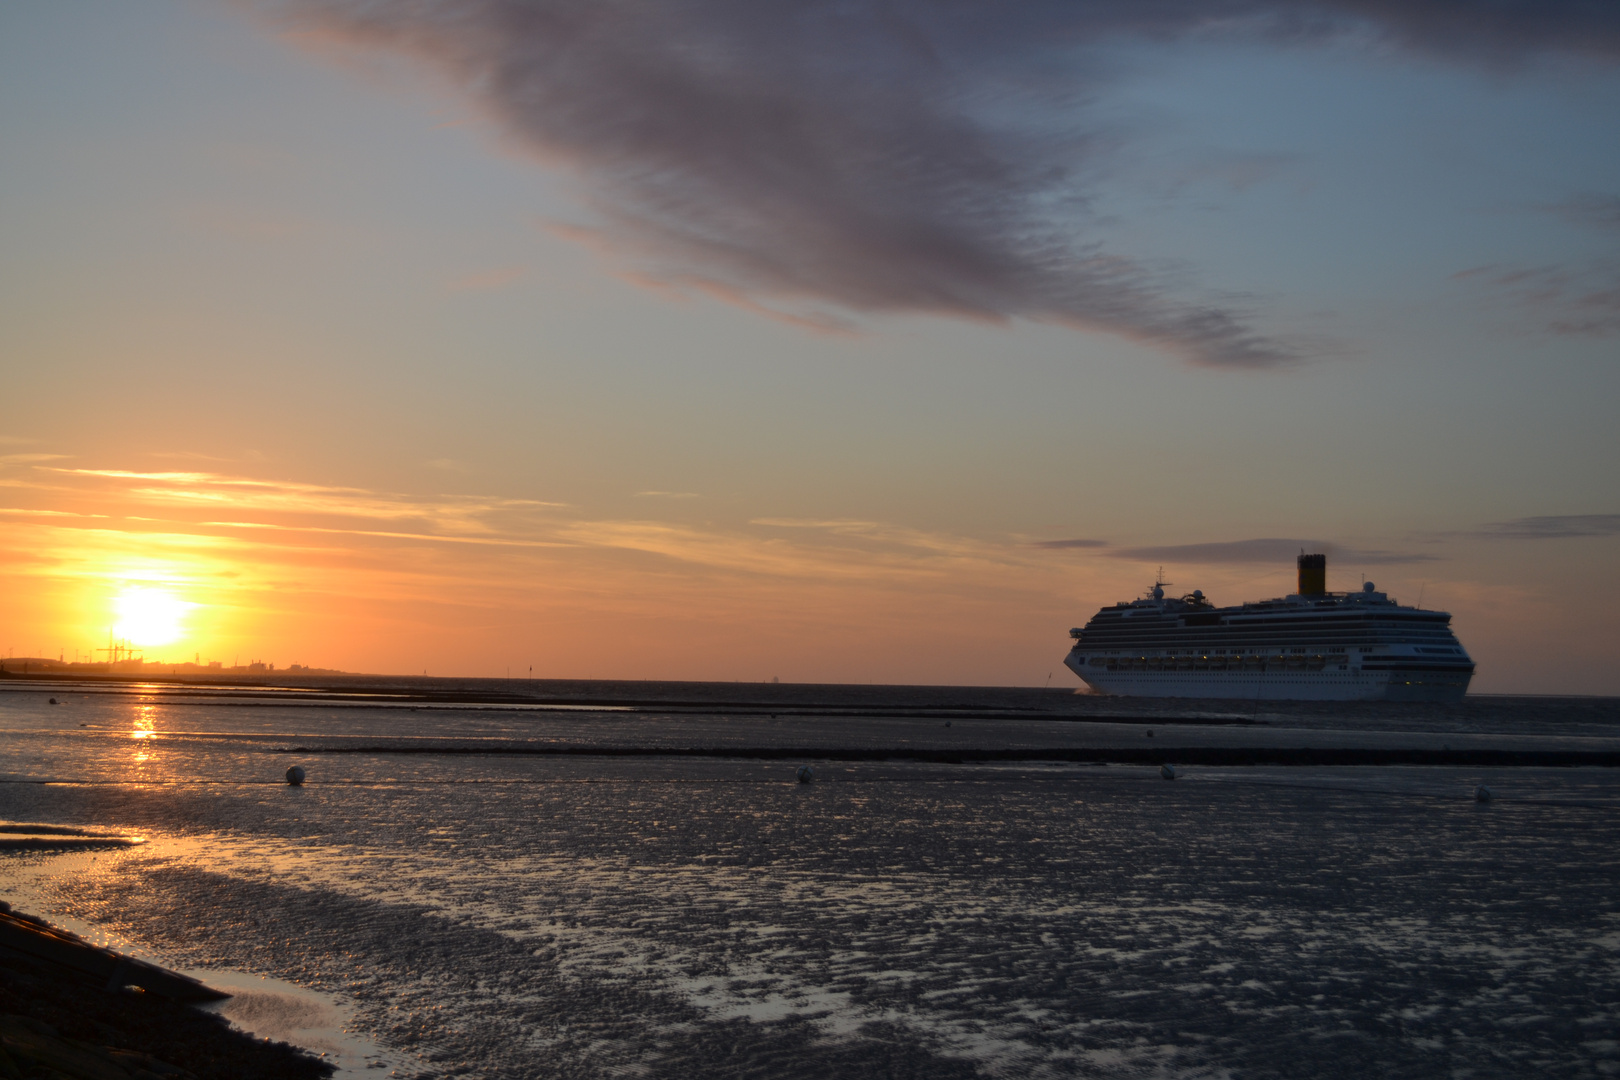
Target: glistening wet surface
<point x="697" y="917"/>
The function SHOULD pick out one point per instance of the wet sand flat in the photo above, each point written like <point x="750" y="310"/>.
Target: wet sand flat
<point x="511" y="916"/>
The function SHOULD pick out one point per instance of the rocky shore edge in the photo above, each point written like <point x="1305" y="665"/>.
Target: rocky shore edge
<point x="71" y="1009"/>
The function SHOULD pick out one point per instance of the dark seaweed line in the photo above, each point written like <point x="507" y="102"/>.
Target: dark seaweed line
<point x="1192" y="755"/>
<point x="236" y="695"/>
<point x="652" y="711"/>
<point x="175" y="692"/>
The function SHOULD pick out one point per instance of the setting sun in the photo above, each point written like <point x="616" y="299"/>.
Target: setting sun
<point x="149" y="616"/>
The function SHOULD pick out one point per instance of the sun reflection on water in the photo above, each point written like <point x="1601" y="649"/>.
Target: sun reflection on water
<point x="144" y="730"/>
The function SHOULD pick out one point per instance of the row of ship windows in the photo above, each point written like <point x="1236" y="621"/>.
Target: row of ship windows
<point x="1216" y="633"/>
<point x="1348" y="620"/>
<point x="1239" y="652"/>
<point x="1208" y="653"/>
<point x="1213" y="663"/>
<point x="1136" y="677"/>
<point x="1136" y="643"/>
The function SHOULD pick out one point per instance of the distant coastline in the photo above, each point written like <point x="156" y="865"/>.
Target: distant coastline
<point x="38" y="666"/>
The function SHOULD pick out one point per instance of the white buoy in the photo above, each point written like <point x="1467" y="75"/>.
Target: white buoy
<point x="1167" y="771"/>
<point x="295" y="775"/>
<point x="1482" y="794"/>
<point x="806" y="774"/>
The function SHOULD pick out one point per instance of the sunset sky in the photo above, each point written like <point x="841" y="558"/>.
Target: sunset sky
<point x="828" y="342"/>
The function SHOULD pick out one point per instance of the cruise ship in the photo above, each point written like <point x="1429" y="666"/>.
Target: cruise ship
<point x="1312" y="646"/>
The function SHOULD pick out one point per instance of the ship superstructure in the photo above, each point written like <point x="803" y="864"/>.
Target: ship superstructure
<point x="1311" y="645"/>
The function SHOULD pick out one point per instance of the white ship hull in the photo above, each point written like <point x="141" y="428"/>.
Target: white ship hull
<point x="1312" y="645"/>
<point x="1281" y="685"/>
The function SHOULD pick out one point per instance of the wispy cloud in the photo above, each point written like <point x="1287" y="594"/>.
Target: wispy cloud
<point x="1581" y="300"/>
<point x="880" y="533"/>
<point x="31" y="512"/>
<point x="1062" y="545"/>
<point x="818" y="158"/>
<point x="30" y="484"/>
<point x="1554" y="527"/>
<point x="843" y="525"/>
<point x="828" y="549"/>
<point x="1589" y="209"/>
<point x="176" y="477"/>
<point x="1263" y="550"/>
<point x="461" y="514"/>
<point x="847" y="550"/>
<point x="189" y="455"/>
<point x="488" y="541"/>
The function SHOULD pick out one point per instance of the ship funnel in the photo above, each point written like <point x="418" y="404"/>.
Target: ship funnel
<point x="1312" y="574"/>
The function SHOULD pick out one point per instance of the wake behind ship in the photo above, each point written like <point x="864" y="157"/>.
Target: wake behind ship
<point x="1313" y="645"/>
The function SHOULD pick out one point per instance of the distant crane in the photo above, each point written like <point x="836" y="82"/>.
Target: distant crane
<point x="118" y="650"/>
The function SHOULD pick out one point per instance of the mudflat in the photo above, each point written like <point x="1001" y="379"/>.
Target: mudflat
<point x="509" y="914"/>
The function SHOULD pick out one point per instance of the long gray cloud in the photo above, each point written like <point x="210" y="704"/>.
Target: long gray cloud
<point x="1263" y="550"/>
<point x="1590" y="209"/>
<point x="821" y="157"/>
<point x="1571" y="300"/>
<point x="1066" y="545"/>
<point x="1554" y="527"/>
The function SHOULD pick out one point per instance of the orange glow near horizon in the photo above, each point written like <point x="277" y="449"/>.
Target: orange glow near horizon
<point x="486" y="585"/>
